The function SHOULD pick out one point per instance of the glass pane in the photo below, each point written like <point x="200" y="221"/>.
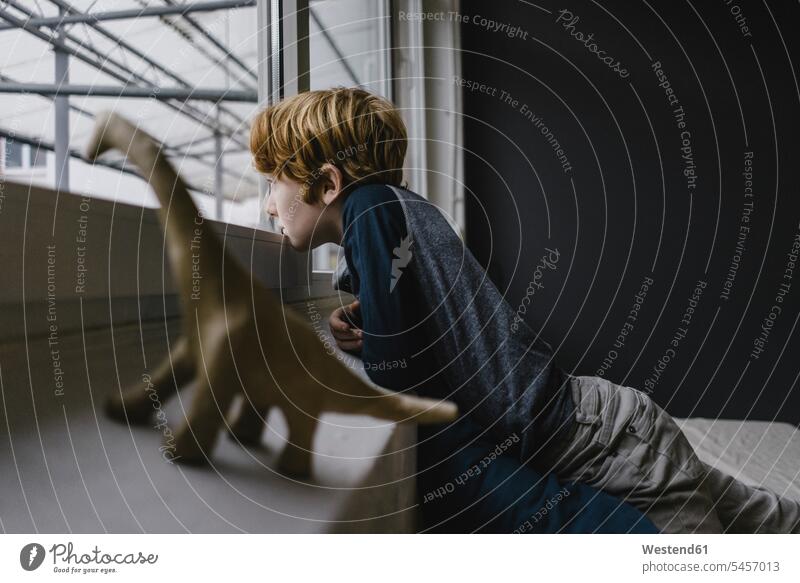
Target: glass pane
<point x="348" y="46"/>
<point x="164" y="53"/>
<point x="38" y="157"/>
<point x="13" y="154"/>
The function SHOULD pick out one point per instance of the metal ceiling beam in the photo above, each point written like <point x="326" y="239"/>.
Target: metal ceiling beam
<point x="127" y="46"/>
<point x="42" y="145"/>
<point x="121" y="167"/>
<point x="72" y="107"/>
<point x="213" y="40"/>
<point x="62" y="4"/>
<point x="198" y="116"/>
<point x="215" y="124"/>
<point x="149" y="11"/>
<point x="176" y="151"/>
<point x="190" y="143"/>
<point x="61" y="110"/>
<point x="184" y="108"/>
<point x="205" y="154"/>
<point x="160" y="93"/>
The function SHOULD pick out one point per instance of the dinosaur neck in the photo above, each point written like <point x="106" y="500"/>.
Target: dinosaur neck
<point x="200" y="264"/>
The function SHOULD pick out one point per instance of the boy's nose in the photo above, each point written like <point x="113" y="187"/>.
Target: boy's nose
<point x="270" y="207"/>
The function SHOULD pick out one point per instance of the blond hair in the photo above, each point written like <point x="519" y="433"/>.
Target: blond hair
<point x="360" y="133"/>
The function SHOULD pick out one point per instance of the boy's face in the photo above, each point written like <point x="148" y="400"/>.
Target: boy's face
<point x="298" y="219"/>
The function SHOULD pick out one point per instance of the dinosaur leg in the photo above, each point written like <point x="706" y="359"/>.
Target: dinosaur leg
<point x="249" y="424"/>
<point x="195" y="440"/>
<point x="295" y="459"/>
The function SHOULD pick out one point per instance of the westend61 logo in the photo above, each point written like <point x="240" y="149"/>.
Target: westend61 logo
<point x="65" y="560"/>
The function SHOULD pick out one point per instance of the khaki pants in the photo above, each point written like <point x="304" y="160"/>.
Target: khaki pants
<point x="625" y="444"/>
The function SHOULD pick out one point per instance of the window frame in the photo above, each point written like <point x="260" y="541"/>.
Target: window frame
<point x="284" y="70"/>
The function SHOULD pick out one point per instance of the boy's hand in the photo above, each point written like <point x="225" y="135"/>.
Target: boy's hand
<point x="342" y="322"/>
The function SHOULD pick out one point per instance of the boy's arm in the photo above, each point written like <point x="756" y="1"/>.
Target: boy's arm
<point x="389" y="305"/>
<point x="345" y="324"/>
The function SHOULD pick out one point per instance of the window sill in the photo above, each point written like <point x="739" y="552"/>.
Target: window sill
<point x="121" y="274"/>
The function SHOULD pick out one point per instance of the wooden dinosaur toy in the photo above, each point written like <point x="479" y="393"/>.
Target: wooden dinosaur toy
<point x="238" y="338"/>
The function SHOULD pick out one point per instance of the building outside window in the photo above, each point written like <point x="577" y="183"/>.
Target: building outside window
<point x="19" y="157"/>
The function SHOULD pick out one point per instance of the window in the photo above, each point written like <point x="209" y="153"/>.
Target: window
<point x="23" y="156"/>
<point x="38" y="157"/>
<point x="349" y="45"/>
<point x="14" y="151"/>
<point x="196" y="54"/>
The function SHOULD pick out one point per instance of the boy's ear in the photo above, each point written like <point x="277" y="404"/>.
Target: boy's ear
<point x="331" y="182"/>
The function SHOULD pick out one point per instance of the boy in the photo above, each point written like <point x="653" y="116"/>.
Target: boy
<point x="428" y="319"/>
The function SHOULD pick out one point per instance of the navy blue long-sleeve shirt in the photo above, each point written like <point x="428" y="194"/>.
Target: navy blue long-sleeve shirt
<point x="394" y="349"/>
<point x="459" y="490"/>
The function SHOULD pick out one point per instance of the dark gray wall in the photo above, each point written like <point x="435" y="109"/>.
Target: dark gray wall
<point x="625" y="212"/>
